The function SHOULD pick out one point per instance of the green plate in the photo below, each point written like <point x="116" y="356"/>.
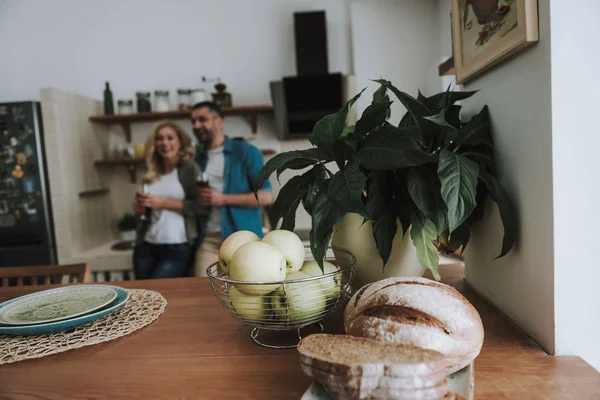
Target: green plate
<point x="55" y="304"/>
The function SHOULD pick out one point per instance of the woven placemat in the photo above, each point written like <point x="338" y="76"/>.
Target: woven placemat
<point x="141" y="309"/>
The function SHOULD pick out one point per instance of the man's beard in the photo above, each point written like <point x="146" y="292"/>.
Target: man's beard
<point x="204" y="136"/>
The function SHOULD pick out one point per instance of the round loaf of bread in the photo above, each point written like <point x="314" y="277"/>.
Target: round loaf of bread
<point x="418" y="312"/>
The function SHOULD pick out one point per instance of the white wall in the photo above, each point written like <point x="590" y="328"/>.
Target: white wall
<point x="396" y="40"/>
<point x="519" y="97"/>
<point x="157" y="44"/>
<point x="575" y="142"/>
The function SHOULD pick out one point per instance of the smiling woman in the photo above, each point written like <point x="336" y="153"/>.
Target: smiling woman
<point x="169" y="201"/>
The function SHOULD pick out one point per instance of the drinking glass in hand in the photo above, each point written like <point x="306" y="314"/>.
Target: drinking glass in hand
<point x="148" y="211"/>
<point x="202" y="181"/>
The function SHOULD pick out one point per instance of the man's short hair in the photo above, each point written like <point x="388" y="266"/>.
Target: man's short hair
<point x="212" y="106"/>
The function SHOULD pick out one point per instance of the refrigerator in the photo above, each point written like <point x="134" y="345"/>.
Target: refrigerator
<point x="26" y="228"/>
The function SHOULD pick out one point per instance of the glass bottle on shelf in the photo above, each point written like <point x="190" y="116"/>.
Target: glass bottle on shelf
<point x="109" y="106"/>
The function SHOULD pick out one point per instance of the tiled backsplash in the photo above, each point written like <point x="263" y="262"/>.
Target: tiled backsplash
<point x="72" y="145"/>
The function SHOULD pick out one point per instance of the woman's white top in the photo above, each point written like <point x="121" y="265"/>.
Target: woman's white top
<point x="167" y="227"/>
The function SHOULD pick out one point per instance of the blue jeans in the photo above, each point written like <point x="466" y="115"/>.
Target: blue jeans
<point x="155" y="261"/>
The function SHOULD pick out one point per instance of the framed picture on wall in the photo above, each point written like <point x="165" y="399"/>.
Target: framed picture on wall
<point x="486" y="32"/>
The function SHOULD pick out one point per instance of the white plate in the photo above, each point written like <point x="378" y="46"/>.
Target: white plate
<point x="55" y="304"/>
<point x="460" y="382"/>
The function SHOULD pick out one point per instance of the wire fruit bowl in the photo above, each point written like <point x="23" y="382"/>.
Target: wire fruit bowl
<point x="287" y="305"/>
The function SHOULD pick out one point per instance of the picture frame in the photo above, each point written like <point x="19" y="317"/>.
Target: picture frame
<point x="487" y="32"/>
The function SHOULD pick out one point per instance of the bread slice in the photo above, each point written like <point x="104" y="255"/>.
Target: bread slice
<point x="353" y="356"/>
<point x="349" y="393"/>
<point x="371" y="382"/>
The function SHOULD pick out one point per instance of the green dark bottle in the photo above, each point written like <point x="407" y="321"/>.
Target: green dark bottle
<point x="109" y="106"/>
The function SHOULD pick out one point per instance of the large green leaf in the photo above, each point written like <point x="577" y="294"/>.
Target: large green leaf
<point x="342" y="152"/>
<point x="297" y="159"/>
<point x="373" y="116"/>
<point x="406" y="121"/>
<point x="318" y="186"/>
<point x="481" y="158"/>
<point x="380" y="95"/>
<point x="379" y="192"/>
<point x="319" y="247"/>
<point x="416" y="109"/>
<point x="477" y="130"/>
<point x="423" y="233"/>
<point x="425" y="190"/>
<point x="384" y="230"/>
<point x="507" y="214"/>
<point x="440" y="119"/>
<point x="290" y="195"/>
<point x="390" y="148"/>
<point x="324" y="216"/>
<point x="458" y="176"/>
<point x="446" y="99"/>
<point x="322" y="134"/>
<point x="447" y="131"/>
<point x="331" y="127"/>
<point x="452" y="115"/>
<point x="402" y="204"/>
<point x="346" y="188"/>
<point x="379" y="201"/>
<point x="342" y="115"/>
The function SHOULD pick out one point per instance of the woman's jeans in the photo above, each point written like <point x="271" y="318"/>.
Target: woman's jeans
<point x="155" y="261"/>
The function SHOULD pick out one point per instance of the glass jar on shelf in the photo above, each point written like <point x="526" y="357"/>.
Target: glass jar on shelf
<point x="161" y="100"/>
<point x="144" y="102"/>
<point x="184" y="99"/>
<point x="125" y="106"/>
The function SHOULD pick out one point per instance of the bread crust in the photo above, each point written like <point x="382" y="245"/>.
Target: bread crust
<point x="418" y="312"/>
<point x="355" y="356"/>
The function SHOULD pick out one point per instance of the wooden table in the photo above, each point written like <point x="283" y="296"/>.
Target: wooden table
<point x="195" y="350"/>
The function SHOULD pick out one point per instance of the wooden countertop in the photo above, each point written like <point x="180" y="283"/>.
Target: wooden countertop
<point x="195" y="350"/>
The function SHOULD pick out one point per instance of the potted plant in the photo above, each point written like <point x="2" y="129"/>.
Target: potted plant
<point x="425" y="180"/>
<point x="127" y="226"/>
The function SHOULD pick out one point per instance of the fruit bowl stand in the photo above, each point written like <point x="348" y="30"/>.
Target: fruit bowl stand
<point x="294" y="304"/>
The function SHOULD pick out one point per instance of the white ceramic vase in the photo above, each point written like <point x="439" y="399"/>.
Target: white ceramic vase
<point x="350" y="235"/>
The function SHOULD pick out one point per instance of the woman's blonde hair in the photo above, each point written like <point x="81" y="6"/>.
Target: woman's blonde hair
<point x="154" y="162"/>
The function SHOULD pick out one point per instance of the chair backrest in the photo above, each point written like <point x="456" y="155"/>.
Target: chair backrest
<point x="44" y="274"/>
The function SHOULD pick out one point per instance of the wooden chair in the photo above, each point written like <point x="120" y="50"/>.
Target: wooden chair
<point x="44" y="275"/>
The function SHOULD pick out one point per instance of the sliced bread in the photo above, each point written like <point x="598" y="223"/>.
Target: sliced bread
<point x="349" y="393"/>
<point x="371" y="382"/>
<point x="356" y="356"/>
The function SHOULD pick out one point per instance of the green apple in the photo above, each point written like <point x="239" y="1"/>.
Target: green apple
<point x="257" y="262"/>
<point x="288" y="244"/>
<point x="299" y="301"/>
<point x="231" y="244"/>
<point x="331" y="284"/>
<point x="253" y="308"/>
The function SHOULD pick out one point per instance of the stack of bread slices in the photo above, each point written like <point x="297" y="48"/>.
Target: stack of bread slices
<point x="404" y="336"/>
<point x="350" y="367"/>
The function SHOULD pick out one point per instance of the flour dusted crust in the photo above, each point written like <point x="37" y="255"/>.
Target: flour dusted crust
<point x="418" y="312"/>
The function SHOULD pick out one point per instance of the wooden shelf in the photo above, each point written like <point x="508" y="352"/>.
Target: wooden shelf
<point x="132" y="163"/>
<point x="251" y="112"/>
<point x="447" y="67"/>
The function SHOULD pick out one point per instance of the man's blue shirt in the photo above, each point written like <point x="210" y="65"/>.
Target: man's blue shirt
<point x="243" y="161"/>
